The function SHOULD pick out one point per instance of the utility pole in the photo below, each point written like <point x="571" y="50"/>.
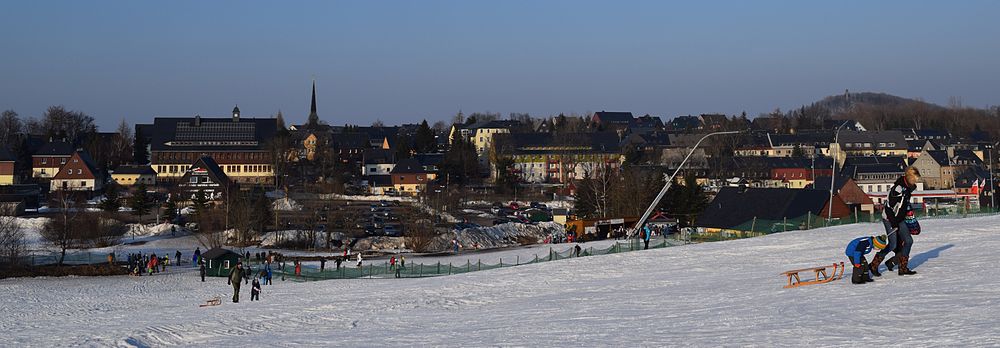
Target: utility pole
<point x="670" y="180"/>
<point x="833" y="172"/>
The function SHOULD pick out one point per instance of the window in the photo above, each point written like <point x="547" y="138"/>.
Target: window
<point x="62" y="161"/>
<point x="45" y="160"/>
<point x="83" y="184"/>
<point x="225" y="264"/>
<point x="43" y="171"/>
<point x="79" y="171"/>
<point x="194" y="180"/>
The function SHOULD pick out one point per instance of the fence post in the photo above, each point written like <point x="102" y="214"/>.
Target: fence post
<point x="591" y="251"/>
<point x="536" y="258"/>
<point x="501" y="262"/>
<point x="550" y="253"/>
<point x="449" y="268"/>
<point x="479" y="265"/>
<point x="468" y="265"/>
<point x="808" y="220"/>
<point x="784" y="224"/>
<point x="517" y="261"/>
<point x="439" y="267"/>
<point x="421" y="270"/>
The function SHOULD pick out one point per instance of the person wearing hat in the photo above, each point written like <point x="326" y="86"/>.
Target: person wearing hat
<point x="894" y="212"/>
<point x="856" y="251"/>
<point x="235" y="276"/>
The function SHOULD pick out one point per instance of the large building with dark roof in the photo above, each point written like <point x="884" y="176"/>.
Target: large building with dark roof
<point x="561" y="158"/>
<point x="238" y="145"/>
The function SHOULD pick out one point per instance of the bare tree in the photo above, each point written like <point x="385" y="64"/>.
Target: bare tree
<point x="420" y="235"/>
<point x="121" y="151"/>
<point x="210" y="227"/>
<point x="10" y="127"/>
<point x="12" y="243"/>
<point x="60" y="231"/>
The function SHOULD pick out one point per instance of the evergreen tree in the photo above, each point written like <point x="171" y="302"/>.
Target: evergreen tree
<point x="424" y="141"/>
<point x="584" y="205"/>
<point x="199" y="203"/>
<point x="169" y="211"/>
<point x="112" y="199"/>
<point x="140" y="155"/>
<point x="404" y="148"/>
<point x="139" y="202"/>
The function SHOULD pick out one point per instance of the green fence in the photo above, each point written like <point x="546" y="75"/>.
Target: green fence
<point x="418" y="270"/>
<point x="756" y="227"/>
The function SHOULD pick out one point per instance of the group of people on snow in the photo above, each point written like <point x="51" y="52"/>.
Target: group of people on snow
<point x="900" y="224"/>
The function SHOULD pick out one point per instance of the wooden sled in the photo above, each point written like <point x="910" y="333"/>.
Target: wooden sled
<point x="212" y="302"/>
<point x="821" y="276"/>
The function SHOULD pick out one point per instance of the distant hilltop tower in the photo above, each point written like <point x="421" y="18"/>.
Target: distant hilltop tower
<point x="313" y="117"/>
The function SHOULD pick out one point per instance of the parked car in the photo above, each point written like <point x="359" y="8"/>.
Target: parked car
<point x="537" y="205"/>
<point x="393" y="230"/>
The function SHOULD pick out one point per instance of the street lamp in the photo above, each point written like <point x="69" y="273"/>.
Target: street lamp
<point x="833" y="170"/>
<point x="642" y="220"/>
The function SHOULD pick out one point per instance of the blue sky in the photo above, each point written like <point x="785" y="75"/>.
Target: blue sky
<point x="400" y="61"/>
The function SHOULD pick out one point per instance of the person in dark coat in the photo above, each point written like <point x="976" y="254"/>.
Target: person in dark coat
<point x="197" y="256"/>
<point x="235" y="277"/>
<point x="856" y="251"/>
<point x="894" y="211"/>
<point x="255" y="290"/>
<point x="202" y="271"/>
<point x="177" y="256"/>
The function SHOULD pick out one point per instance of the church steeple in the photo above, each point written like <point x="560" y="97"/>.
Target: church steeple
<point x="313" y="117"/>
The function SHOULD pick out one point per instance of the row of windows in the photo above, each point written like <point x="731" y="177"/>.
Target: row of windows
<point x="46" y="161"/>
<point x="869" y="145"/>
<point x="249" y="168"/>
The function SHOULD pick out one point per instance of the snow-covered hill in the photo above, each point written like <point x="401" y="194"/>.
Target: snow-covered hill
<point x="711" y="294"/>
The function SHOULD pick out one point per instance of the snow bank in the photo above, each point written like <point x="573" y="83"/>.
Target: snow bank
<point x="502" y="235"/>
<point x="286" y="204"/>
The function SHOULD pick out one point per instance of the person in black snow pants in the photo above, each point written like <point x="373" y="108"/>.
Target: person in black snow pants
<point x="894" y="211"/>
<point x="202" y="271"/>
<point x="255" y="290"/>
<point x="235" y="277"/>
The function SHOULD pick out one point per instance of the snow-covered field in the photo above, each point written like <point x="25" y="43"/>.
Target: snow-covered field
<point x="711" y="294"/>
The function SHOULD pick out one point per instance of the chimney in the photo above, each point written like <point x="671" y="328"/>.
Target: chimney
<point x="197" y="120"/>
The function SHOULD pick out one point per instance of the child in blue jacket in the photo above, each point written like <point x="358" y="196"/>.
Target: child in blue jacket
<point x="856" y="251"/>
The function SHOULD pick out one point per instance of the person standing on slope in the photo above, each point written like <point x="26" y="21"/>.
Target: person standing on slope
<point x="235" y="276"/>
<point x="856" y="251"/>
<point x="202" y="271"/>
<point x="894" y="211"/>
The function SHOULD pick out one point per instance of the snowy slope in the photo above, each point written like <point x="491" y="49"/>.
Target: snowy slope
<point x="711" y="294"/>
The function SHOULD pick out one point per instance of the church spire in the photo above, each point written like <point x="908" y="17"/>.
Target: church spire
<point x="313" y="117"/>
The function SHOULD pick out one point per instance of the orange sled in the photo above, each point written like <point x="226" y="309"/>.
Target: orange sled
<point x="821" y="276"/>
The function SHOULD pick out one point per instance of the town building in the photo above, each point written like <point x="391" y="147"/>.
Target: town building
<point x="80" y="173"/>
<point x="49" y="157"/>
<point x="240" y="146"/>
<point x="560" y="158"/>
<point x="7" y="160"/>
<point x="128" y="175"/>
<point x="207" y="176"/>
<point x="769" y="209"/>
<point x="410" y="177"/>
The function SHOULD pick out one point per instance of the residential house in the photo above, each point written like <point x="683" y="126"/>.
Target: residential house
<point x="238" y="145"/>
<point x="80" y="173"/>
<point x="938" y="168"/>
<point x="128" y="175"/>
<point x="47" y="159"/>
<point x="848" y="191"/>
<point x="7" y="160"/>
<point x="884" y="143"/>
<point x="612" y="120"/>
<point x="378" y="162"/>
<point x="768" y="209"/>
<point x="713" y="122"/>
<point x="410" y="177"/>
<point x="684" y="123"/>
<point x="207" y="176"/>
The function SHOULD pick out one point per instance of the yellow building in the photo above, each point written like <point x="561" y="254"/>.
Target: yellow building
<point x="128" y="175"/>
